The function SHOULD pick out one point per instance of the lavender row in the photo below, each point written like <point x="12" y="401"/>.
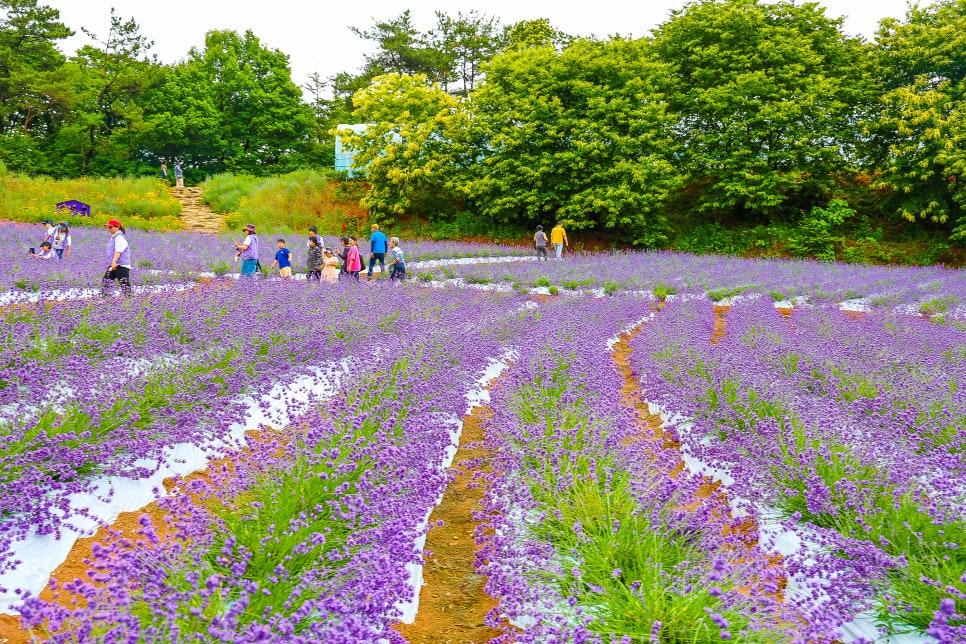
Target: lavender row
<point x="592" y="532"/>
<point x="134" y="379"/>
<point x="852" y="430"/>
<point x="307" y="538"/>
<point x="933" y="289"/>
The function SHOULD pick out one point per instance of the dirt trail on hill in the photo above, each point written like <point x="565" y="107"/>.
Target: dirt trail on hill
<point x="452" y="601"/>
<point x="197" y="216"/>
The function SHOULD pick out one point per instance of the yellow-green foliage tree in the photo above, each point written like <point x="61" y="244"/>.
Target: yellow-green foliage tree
<point x="407" y="147"/>
<point x="922" y="125"/>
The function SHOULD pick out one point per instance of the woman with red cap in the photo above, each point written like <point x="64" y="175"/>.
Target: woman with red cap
<point x="119" y="260"/>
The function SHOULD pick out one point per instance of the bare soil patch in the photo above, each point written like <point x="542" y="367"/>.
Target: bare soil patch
<point x="453" y="602"/>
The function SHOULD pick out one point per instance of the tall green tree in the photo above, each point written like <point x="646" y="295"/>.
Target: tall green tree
<point x="580" y="134"/>
<point x="28" y="52"/>
<point x="232" y="107"/>
<point x="400" y="48"/>
<point x="767" y="97"/>
<point x="108" y="118"/>
<point x="921" y="128"/>
<point x="462" y="45"/>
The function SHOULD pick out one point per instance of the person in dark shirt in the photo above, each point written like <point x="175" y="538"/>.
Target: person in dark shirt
<point x="313" y="263"/>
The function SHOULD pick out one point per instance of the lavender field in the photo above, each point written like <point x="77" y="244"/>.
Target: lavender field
<point x="682" y="448"/>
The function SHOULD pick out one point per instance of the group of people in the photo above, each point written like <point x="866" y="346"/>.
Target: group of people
<point x="178" y="174"/>
<point x="325" y="264"/>
<point x="56" y="242"/>
<point x="558" y="237"/>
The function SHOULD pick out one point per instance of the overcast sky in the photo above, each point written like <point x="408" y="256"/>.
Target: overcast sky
<point x="317" y="38"/>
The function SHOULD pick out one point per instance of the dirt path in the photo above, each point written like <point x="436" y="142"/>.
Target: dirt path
<point x="452" y="602"/>
<point x="197" y="216"/>
<point x="127" y="524"/>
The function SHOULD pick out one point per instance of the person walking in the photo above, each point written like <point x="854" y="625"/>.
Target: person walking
<point x="164" y="171"/>
<point x="283" y="259"/>
<point x="540" y="243"/>
<point x="343" y="257"/>
<point x="249" y="251"/>
<point x="119" y="259"/>
<point x="319" y="241"/>
<point x="60" y="242"/>
<point x="397" y="260"/>
<point x="558" y="237"/>
<point x="378" y="245"/>
<point x="330" y="270"/>
<point x="313" y="263"/>
<point x="353" y="259"/>
<point x="178" y="175"/>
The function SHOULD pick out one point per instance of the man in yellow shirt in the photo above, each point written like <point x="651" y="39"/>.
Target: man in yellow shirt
<point x="558" y="237"/>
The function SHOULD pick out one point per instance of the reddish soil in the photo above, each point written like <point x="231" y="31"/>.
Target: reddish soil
<point x="453" y="602"/>
<point x="720" y="312"/>
<point x="651" y="428"/>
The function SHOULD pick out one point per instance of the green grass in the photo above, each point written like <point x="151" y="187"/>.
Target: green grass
<point x="138" y="202"/>
<point x="722" y="293"/>
<point x="289" y="203"/>
<point x="662" y="290"/>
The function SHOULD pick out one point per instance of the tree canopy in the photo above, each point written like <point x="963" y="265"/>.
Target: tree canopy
<point x="746" y="112"/>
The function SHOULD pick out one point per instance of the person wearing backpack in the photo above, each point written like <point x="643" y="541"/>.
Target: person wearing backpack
<point x="60" y="242"/>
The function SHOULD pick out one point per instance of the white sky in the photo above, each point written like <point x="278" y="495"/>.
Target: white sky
<point x="316" y="36"/>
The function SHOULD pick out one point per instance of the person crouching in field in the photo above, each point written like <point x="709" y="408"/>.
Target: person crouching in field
<point x="313" y="263"/>
<point x="44" y="253"/>
<point x="283" y="259"/>
<point x="397" y="260"/>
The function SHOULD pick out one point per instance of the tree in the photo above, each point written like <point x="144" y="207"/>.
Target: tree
<point x="922" y="123"/>
<point x="28" y="54"/>
<point x="534" y="33"/>
<point x="580" y="134"/>
<point x="401" y="48"/>
<point x="767" y="98"/>
<point x="233" y="107"/>
<point x="112" y="78"/>
<point x="462" y="45"/>
<point x="406" y="148"/>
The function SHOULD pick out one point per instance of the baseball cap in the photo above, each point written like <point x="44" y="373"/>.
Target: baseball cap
<point x="249" y="227"/>
<point x="313" y="229"/>
<point x="47" y="221"/>
<point x="113" y="222"/>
